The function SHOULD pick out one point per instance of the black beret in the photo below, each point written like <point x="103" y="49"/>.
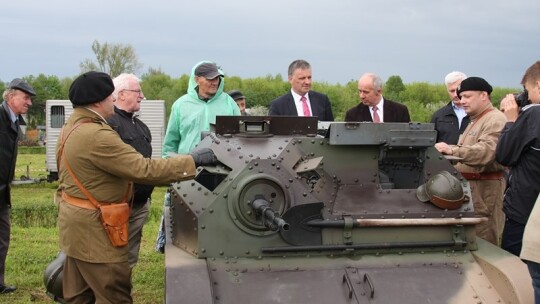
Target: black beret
<point x="90" y="87"/>
<point x="474" y="84"/>
<point x="20" y="84"/>
<point x="235" y="94"/>
<point x="208" y="70"/>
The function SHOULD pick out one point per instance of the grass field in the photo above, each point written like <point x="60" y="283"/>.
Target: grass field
<point x="34" y="241"/>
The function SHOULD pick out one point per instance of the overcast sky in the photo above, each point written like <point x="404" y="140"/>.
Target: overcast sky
<point x="419" y="40"/>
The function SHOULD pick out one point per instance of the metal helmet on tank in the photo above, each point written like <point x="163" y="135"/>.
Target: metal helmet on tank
<point x="444" y="190"/>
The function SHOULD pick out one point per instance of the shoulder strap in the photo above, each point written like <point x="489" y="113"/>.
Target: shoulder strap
<point x="472" y="124"/>
<point x="75" y="179"/>
<point x="62" y="156"/>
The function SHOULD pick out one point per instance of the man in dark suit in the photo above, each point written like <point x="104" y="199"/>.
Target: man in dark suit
<point x="17" y="101"/>
<point x="301" y="101"/>
<point x="373" y="107"/>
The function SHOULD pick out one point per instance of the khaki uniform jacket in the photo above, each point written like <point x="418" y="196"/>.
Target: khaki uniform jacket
<point x="104" y="164"/>
<point x="478" y="142"/>
<point x="531" y="239"/>
<point x="477" y="147"/>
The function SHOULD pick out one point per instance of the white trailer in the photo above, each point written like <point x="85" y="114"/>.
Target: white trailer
<point x="57" y="112"/>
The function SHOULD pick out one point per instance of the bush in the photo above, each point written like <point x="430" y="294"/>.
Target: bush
<point x="24" y="149"/>
<point x="39" y="215"/>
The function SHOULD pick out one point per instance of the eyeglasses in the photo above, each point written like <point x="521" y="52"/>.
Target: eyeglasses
<point x="136" y="91"/>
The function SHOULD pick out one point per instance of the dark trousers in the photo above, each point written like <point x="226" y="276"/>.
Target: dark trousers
<point x="137" y="218"/>
<point x="512" y="237"/>
<point x="534" y="270"/>
<point x="5" y="231"/>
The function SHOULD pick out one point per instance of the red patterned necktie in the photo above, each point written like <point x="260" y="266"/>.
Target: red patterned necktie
<point x="305" y="106"/>
<point x="376" y="117"/>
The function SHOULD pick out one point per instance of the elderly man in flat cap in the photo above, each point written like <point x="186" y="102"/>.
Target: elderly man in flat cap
<point x="17" y="101"/>
<point x="476" y="151"/>
<point x="95" y="165"/>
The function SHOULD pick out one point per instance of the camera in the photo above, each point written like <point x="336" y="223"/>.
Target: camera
<point x="522" y="98"/>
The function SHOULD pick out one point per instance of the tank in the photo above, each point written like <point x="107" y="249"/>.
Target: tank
<point x="304" y="212"/>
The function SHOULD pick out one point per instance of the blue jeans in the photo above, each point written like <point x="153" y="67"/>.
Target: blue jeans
<point x="160" y="241"/>
<point x="534" y="270"/>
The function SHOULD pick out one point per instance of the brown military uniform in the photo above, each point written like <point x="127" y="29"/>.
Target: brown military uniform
<point x="477" y="148"/>
<point x="104" y="164"/>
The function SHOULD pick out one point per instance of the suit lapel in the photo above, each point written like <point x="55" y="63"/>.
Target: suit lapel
<point x="15" y="127"/>
<point x="312" y="104"/>
<point x="365" y="115"/>
<point x="388" y="114"/>
<point x="291" y="105"/>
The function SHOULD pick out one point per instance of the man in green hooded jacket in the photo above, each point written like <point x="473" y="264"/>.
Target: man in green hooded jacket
<point x="193" y="113"/>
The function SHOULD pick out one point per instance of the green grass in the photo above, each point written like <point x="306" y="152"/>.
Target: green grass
<point x="34" y="243"/>
<point x="30" y="164"/>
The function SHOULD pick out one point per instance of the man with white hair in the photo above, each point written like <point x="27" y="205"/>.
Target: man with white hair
<point x="451" y="120"/>
<point x="128" y="95"/>
<point x="17" y="101"/>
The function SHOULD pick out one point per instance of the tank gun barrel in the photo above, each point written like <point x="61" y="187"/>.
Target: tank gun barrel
<point x="397" y="222"/>
<point x="270" y="217"/>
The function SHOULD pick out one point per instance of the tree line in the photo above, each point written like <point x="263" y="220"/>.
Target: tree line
<point x="422" y="98"/>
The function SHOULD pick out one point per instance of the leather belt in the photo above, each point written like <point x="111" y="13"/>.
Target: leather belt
<point x="79" y="202"/>
<point x="483" y="175"/>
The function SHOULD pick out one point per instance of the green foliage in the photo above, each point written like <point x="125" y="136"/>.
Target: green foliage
<point x="46" y="87"/>
<point x="31" y="149"/>
<point x="423" y="93"/>
<point x="393" y="87"/>
<point x="499" y="93"/>
<point x="113" y="59"/>
<point x="422" y="98"/>
<point x="261" y="91"/>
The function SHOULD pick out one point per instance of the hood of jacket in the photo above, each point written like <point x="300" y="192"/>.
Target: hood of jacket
<point x="192" y="86"/>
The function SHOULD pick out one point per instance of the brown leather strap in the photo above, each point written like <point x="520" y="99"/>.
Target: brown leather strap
<point x="75" y="179"/>
<point x="476" y="120"/>
<point x="484" y="113"/>
<point x="483" y="175"/>
<point x="79" y="202"/>
<point x="448" y="204"/>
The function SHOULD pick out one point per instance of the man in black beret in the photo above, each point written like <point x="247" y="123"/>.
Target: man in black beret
<point x="17" y="101"/>
<point x="240" y="100"/>
<point x="476" y="151"/>
<point x="95" y="165"/>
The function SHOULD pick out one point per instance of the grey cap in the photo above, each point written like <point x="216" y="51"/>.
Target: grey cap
<point x="20" y="84"/>
<point x="236" y="94"/>
<point x="208" y="70"/>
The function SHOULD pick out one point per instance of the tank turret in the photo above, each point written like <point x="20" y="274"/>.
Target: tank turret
<point x="304" y="212"/>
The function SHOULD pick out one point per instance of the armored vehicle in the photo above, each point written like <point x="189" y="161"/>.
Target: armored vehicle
<point x="293" y="214"/>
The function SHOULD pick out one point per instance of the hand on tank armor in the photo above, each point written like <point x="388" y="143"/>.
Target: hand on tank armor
<point x="203" y="157"/>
